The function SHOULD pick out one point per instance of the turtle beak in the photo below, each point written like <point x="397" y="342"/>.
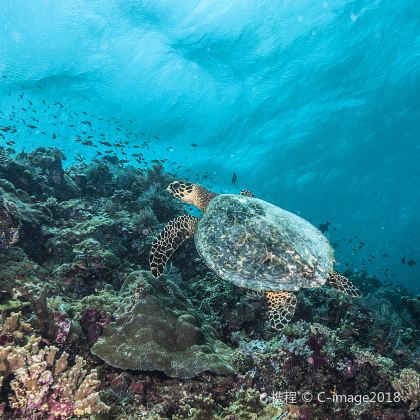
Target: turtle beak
<point x="173" y="187"/>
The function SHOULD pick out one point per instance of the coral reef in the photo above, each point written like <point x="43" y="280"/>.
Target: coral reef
<point x="74" y="283"/>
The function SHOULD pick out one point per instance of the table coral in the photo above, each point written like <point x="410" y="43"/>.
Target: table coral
<point x="161" y="332"/>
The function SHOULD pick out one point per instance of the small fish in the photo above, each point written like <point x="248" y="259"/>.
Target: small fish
<point x="323" y="227"/>
<point x="403" y="260"/>
<point x="194" y="145"/>
<point x="411" y="262"/>
<point x="112" y="159"/>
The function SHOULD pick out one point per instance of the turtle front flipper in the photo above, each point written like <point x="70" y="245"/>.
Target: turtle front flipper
<point x="343" y="284"/>
<point x="281" y="308"/>
<point x="247" y="193"/>
<point x="168" y="241"/>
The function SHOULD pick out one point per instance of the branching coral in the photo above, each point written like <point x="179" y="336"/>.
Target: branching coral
<point x="384" y="364"/>
<point x="42" y="382"/>
<point x="14" y="328"/>
<point x="244" y="404"/>
<point x="297" y="347"/>
<point x="408" y="385"/>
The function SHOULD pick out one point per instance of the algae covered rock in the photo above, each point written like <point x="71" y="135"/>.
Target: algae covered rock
<point x="158" y="329"/>
<point x="9" y="223"/>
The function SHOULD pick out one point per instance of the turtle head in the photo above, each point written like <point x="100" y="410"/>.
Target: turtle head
<point x="181" y="190"/>
<point x="191" y="193"/>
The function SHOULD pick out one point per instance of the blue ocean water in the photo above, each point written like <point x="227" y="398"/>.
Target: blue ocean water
<point x="312" y="104"/>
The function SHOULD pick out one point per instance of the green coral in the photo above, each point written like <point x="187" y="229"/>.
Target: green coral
<point x="384" y="364"/>
<point x="197" y="408"/>
<point x="105" y="300"/>
<point x="247" y="403"/>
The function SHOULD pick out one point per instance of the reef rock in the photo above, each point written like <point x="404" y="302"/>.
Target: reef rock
<point x="158" y="329"/>
<point x="9" y="223"/>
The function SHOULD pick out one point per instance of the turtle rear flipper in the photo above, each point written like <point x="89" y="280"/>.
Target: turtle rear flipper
<point x="343" y="284"/>
<point x="281" y="308"/>
<point x="168" y="241"/>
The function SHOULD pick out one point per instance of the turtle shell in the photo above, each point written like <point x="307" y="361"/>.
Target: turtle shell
<point x="259" y="246"/>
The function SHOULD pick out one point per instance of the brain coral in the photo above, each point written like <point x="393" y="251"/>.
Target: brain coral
<point x="157" y="329"/>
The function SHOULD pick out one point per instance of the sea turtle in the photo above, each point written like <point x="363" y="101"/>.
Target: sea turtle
<point x="254" y="245"/>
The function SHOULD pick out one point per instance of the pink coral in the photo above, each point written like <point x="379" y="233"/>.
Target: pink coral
<point x="63" y="325"/>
